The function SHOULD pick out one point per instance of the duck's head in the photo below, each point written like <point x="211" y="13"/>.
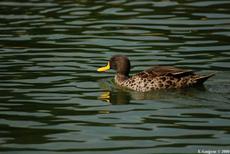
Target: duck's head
<point x="119" y="63"/>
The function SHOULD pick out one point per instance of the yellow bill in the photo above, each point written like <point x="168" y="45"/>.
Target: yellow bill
<point x="105" y="68"/>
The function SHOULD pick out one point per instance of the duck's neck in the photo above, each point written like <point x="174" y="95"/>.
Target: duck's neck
<point x="119" y="78"/>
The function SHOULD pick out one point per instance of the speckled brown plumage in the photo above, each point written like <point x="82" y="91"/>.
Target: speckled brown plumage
<point x="159" y="77"/>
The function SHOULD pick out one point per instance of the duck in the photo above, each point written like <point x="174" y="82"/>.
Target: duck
<point x="154" y="78"/>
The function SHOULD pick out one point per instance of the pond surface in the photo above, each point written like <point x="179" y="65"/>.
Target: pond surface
<point x="52" y="100"/>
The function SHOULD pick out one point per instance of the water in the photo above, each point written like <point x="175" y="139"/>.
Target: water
<point x="52" y="100"/>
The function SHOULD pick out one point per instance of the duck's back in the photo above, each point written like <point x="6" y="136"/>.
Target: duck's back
<point x="164" y="77"/>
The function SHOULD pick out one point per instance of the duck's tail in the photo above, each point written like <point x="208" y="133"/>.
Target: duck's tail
<point x="202" y="79"/>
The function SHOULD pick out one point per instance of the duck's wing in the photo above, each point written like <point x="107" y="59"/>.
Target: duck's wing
<point x="165" y="71"/>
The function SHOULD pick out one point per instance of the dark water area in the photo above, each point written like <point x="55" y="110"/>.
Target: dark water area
<point x="52" y="100"/>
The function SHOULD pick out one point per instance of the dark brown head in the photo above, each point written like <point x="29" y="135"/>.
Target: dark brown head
<point x="119" y="63"/>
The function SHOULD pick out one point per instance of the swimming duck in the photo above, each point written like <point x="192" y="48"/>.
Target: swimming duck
<point x="154" y="78"/>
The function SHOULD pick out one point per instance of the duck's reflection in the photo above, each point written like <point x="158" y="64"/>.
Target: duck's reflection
<point x="118" y="97"/>
<point x="125" y="96"/>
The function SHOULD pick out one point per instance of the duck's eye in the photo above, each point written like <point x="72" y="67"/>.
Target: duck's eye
<point x="113" y="64"/>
